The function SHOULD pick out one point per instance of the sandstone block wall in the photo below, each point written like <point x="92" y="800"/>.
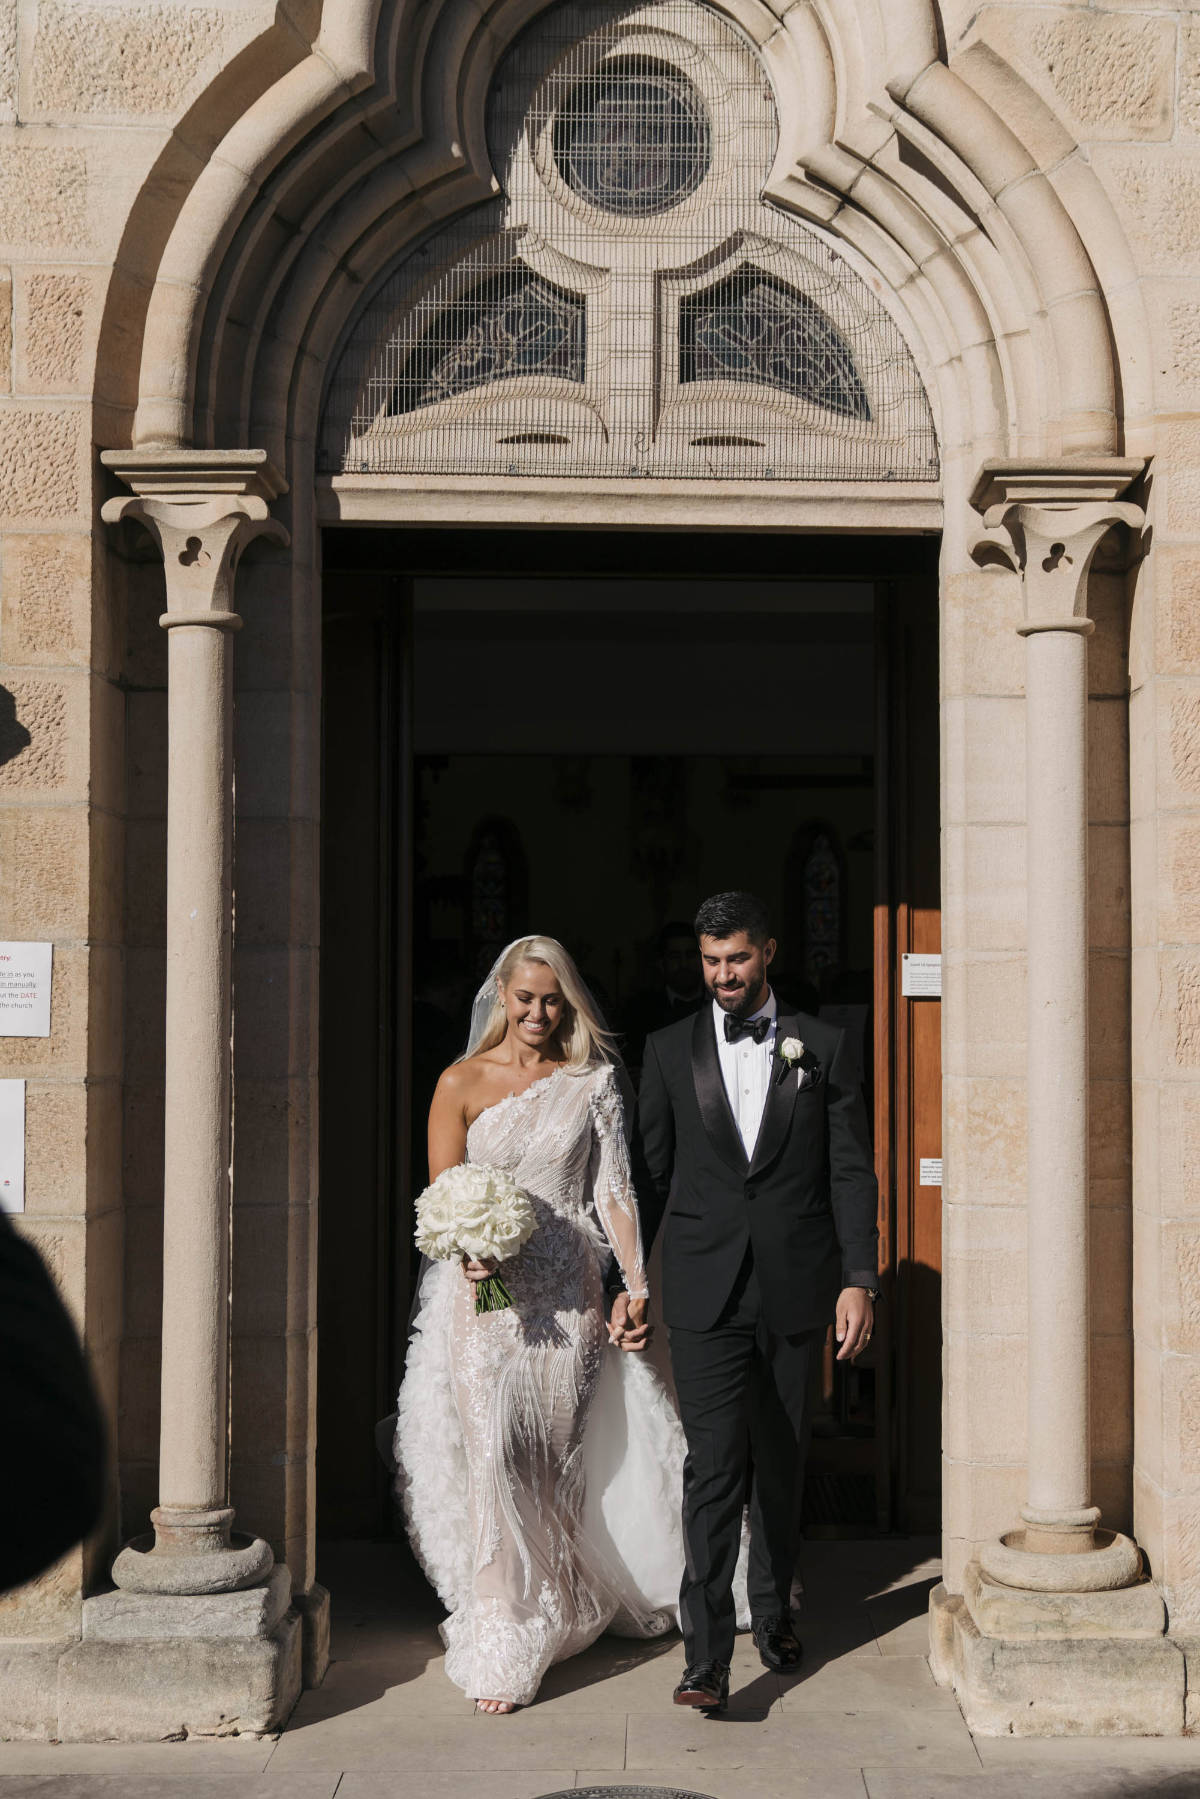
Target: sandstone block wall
<point x="90" y="95"/>
<point x="1164" y="718"/>
<point x="1124" y="82"/>
<point x="61" y="836"/>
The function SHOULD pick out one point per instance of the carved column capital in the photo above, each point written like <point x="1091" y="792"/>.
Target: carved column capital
<point x="202" y="508"/>
<point x="1046" y="520"/>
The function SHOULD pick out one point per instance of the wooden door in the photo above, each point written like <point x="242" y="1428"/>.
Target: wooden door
<point x="908" y="1067"/>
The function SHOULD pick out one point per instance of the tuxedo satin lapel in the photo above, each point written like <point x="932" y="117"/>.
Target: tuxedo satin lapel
<point x="711" y="1095"/>
<point x="781" y="1098"/>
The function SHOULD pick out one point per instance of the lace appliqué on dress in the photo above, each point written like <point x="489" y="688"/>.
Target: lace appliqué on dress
<point x="612" y="1184"/>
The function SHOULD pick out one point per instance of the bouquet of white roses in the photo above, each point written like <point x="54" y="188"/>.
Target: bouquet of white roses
<point x="475" y="1211"/>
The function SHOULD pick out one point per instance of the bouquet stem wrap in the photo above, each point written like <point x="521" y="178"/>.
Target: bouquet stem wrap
<point x="491" y="1295"/>
<point x="476" y="1211"/>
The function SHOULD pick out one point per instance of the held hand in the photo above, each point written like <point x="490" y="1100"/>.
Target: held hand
<point x="638" y="1328"/>
<point x="855" y="1322"/>
<point x="477" y="1271"/>
<point x="628" y="1325"/>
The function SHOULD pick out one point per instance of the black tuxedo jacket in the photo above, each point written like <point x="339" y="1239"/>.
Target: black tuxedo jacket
<point x="805" y="1201"/>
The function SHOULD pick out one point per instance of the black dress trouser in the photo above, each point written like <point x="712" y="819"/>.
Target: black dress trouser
<point x="743" y="1391"/>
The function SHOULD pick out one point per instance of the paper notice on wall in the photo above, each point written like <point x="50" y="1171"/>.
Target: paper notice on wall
<point x="931" y="1171"/>
<point x="25" y="970"/>
<point x="920" y="976"/>
<point x="12" y="1146"/>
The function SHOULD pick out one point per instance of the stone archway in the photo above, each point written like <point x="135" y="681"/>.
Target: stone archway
<point x="334" y="167"/>
<point x="995" y="249"/>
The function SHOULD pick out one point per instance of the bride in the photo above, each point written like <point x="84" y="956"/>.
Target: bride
<point x="539" y="1469"/>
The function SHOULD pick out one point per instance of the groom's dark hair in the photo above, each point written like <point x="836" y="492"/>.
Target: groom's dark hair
<point x="725" y="914"/>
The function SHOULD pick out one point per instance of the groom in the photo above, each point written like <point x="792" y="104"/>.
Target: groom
<point x="751" y="1122"/>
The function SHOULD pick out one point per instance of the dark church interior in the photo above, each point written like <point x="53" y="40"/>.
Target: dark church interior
<point x="526" y="733"/>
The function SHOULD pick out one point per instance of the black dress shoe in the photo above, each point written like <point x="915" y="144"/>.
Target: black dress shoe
<point x="704" y="1685"/>
<point x="778" y="1644"/>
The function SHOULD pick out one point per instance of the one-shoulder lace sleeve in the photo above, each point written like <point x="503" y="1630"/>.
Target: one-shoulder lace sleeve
<point x="612" y="1183"/>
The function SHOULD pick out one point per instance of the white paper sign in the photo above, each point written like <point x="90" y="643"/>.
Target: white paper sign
<point x="931" y="1171"/>
<point x="920" y="976"/>
<point x="12" y="1146"/>
<point x="25" y="989"/>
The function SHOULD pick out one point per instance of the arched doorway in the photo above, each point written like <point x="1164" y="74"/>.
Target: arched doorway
<point x="628" y="305"/>
<point x="918" y="186"/>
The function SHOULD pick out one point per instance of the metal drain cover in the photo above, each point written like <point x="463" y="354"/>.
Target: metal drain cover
<point x="626" y="1793"/>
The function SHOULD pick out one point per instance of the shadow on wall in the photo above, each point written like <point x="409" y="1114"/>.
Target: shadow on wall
<point x="14" y="737"/>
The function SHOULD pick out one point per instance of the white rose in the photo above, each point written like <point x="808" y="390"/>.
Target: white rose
<point x="476" y="1211"/>
<point x="791" y="1049"/>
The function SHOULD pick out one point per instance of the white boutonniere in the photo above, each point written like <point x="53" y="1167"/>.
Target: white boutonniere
<point x="790" y="1051"/>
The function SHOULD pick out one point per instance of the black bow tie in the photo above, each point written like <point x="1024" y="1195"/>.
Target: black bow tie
<point x="746" y="1027"/>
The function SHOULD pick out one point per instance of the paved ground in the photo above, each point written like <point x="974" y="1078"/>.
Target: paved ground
<point x="864" y="1722"/>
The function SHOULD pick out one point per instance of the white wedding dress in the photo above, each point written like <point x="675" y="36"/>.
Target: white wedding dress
<point x="539" y="1468"/>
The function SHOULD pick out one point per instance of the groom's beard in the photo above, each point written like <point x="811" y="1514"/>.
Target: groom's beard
<point x="740" y="1002"/>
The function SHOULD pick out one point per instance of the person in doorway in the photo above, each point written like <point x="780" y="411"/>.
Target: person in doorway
<point x="751" y="1122"/>
<point x="531" y="1458"/>
<point x="678" y="993"/>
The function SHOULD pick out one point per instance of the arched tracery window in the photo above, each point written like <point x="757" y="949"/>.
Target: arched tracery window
<point x="752" y="327"/>
<point x="630" y="304"/>
<point x="512" y="324"/>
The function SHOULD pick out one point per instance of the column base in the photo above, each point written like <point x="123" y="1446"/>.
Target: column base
<point x="1068" y="1664"/>
<point x="192" y="1552"/>
<point x="1004" y="1611"/>
<point x="125" y="1617"/>
<point x="1100" y="1562"/>
<point x="152" y="1667"/>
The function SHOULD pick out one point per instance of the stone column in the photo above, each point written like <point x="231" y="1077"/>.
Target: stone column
<point x="211" y="1594"/>
<point x="1046" y="1603"/>
<point x="1047" y="523"/>
<point x="201" y="509"/>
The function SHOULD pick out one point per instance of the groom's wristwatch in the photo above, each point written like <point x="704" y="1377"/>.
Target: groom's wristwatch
<point x="872" y="1293"/>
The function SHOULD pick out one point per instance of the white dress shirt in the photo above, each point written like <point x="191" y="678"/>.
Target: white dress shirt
<point x="746" y="1071"/>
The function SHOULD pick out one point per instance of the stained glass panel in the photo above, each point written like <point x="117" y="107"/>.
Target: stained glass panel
<point x="634" y="140"/>
<point x="753" y="328"/>
<point x="822" y="911"/>
<point x="631" y="301"/>
<point x="514" y="324"/>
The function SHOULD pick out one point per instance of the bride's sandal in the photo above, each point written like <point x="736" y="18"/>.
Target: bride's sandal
<point x="495" y="1708"/>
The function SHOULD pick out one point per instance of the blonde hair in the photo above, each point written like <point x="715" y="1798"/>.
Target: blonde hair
<point x="582" y="1033"/>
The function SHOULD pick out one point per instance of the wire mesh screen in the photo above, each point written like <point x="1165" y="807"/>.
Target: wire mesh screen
<point x="629" y="304"/>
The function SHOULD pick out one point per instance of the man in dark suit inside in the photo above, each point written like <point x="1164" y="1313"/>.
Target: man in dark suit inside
<point x="677" y="994"/>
